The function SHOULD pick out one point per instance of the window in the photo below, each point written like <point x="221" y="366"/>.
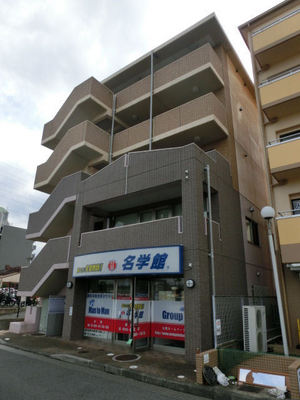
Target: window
<point x="296" y="206"/>
<point x="146" y="215"/>
<point x="290" y="136"/>
<point x="252" y="231"/>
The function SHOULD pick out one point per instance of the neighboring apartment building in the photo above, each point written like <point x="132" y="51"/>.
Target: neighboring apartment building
<point x="273" y="39"/>
<point x="137" y="175"/>
<point x="15" y="250"/>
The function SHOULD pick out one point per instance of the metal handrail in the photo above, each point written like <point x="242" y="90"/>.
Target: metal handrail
<point x="292" y="137"/>
<point x="266" y="27"/>
<point x="280" y="76"/>
<point x="288" y="213"/>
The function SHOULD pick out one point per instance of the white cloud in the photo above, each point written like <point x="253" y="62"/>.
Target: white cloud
<point x="48" y="47"/>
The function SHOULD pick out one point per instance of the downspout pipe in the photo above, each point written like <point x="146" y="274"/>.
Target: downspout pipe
<point x="211" y="253"/>
<point x="151" y="103"/>
<point x="112" y="128"/>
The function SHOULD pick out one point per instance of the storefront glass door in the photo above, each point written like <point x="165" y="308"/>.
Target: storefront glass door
<point x="133" y="312"/>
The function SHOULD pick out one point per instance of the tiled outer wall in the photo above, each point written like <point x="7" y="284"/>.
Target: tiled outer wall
<point x="265" y="362"/>
<point x="150" y="171"/>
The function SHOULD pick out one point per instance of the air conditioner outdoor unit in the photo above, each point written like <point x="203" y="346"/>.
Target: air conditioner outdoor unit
<point x="255" y="329"/>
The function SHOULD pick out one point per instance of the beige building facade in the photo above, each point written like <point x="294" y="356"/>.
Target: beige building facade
<point x="273" y="39"/>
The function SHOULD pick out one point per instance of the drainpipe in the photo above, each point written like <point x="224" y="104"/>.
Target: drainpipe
<point x="112" y="128"/>
<point x="151" y="105"/>
<point x="211" y="253"/>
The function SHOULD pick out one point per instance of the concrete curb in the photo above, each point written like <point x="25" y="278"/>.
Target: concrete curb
<point x="210" y="392"/>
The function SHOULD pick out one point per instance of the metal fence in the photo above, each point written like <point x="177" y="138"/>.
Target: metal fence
<point x="229" y="313"/>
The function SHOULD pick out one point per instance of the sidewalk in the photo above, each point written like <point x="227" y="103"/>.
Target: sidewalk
<point x="154" y="367"/>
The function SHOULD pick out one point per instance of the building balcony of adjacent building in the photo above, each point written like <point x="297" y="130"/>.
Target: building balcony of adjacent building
<point x="277" y="40"/>
<point x="48" y="272"/>
<point x="55" y="217"/>
<point x="202" y="120"/>
<point x="284" y="157"/>
<point x="280" y="94"/>
<point x="160" y="232"/>
<point x="288" y="224"/>
<point x="190" y="76"/>
<point x="87" y="101"/>
<point x="83" y="145"/>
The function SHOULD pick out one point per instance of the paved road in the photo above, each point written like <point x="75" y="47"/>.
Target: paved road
<point x="26" y="376"/>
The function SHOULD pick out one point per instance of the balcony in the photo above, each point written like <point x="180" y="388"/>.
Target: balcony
<point x="48" y="272"/>
<point x="160" y="232"/>
<point x="87" y="101"/>
<point x="280" y="95"/>
<point x="191" y="76"/>
<point x="202" y="119"/>
<point x="277" y="40"/>
<point x="288" y="225"/>
<point x="81" y="145"/>
<point x="55" y="218"/>
<point x="284" y="158"/>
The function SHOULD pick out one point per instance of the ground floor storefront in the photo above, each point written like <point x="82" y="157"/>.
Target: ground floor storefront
<point x="143" y="312"/>
<point x="135" y="298"/>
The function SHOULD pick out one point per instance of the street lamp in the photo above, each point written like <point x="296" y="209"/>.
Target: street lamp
<point x="268" y="213"/>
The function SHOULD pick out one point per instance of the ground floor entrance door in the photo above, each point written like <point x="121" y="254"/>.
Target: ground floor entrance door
<point x="133" y="322"/>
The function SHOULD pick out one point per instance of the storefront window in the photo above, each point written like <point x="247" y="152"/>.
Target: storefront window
<point x="168" y="289"/>
<point x="101" y="286"/>
<point x="167" y="323"/>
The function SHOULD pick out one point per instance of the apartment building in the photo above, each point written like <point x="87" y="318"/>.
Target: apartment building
<point x="273" y="39"/>
<point x="15" y="250"/>
<point x="156" y="181"/>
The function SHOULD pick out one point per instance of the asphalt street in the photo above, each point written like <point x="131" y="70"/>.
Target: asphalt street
<point x="27" y="376"/>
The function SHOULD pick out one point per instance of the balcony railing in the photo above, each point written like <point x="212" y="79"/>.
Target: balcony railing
<point x="180" y="122"/>
<point x="52" y="262"/>
<point x="86" y="101"/>
<point x="170" y="74"/>
<point x="288" y="213"/>
<point x="55" y="217"/>
<point x="284" y="157"/>
<point x="288" y="225"/>
<point x="279" y="140"/>
<point x="277" y="31"/>
<point x="280" y="94"/>
<point x="153" y="233"/>
<point x="82" y="144"/>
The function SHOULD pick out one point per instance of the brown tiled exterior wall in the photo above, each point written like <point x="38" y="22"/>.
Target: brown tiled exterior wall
<point x="86" y="131"/>
<point x="56" y="252"/>
<point x="195" y="59"/>
<point x="131" y="136"/>
<point x="90" y="87"/>
<point x="189" y="112"/>
<point x="150" y="171"/>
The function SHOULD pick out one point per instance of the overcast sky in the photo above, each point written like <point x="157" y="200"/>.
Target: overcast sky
<point x="49" y="46"/>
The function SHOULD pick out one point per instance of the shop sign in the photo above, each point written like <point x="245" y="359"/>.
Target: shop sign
<point x="141" y="261"/>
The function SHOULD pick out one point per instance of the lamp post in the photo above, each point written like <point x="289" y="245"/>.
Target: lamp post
<point x="268" y="214"/>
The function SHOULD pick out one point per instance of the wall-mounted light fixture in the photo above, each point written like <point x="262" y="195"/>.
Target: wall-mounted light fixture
<point x="69" y="284"/>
